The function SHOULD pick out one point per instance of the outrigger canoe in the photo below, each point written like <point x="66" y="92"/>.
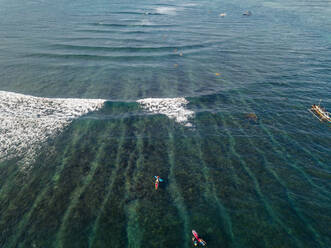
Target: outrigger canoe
<point x="320" y="113"/>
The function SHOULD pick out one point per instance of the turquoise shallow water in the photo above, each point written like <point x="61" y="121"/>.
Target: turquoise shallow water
<point x="239" y="180"/>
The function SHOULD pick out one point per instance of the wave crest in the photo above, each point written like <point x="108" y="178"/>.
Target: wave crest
<point x="174" y="108"/>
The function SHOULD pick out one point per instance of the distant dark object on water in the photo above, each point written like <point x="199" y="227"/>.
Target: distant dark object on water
<point x="247" y="13"/>
<point x="252" y="117"/>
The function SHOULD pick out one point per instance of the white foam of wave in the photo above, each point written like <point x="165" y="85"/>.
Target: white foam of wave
<point x="190" y="4"/>
<point x="145" y="22"/>
<point x="166" y="10"/>
<point x="27" y="121"/>
<point x="174" y="108"/>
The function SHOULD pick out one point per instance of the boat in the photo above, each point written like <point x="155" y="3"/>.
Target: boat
<point x="247" y="13"/>
<point x="320" y="112"/>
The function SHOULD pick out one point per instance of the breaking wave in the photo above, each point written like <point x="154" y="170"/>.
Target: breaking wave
<point x="26" y="122"/>
<point x="166" y="10"/>
<point x="174" y="108"/>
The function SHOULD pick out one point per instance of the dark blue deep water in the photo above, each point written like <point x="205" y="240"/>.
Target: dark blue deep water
<point x="254" y="168"/>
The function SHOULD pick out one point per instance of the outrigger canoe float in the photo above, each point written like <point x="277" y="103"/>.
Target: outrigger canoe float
<point x="320" y="113"/>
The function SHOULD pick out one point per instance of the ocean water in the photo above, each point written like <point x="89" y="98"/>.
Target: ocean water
<point x="98" y="97"/>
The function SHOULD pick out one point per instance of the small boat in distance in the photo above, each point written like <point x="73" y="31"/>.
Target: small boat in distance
<point x="247" y="13"/>
<point x="320" y="112"/>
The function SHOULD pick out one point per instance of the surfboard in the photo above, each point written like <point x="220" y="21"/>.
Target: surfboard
<point x="195" y="234"/>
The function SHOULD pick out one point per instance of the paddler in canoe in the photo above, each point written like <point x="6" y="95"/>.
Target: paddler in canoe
<point x="196" y="240"/>
<point x="157" y="182"/>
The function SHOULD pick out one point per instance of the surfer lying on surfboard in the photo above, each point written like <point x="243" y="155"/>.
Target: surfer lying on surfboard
<point x="157" y="181"/>
<point x="196" y="240"/>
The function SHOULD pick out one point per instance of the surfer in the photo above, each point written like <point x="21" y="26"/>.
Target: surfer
<point x="157" y="181"/>
<point x="196" y="240"/>
<point x="202" y="242"/>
